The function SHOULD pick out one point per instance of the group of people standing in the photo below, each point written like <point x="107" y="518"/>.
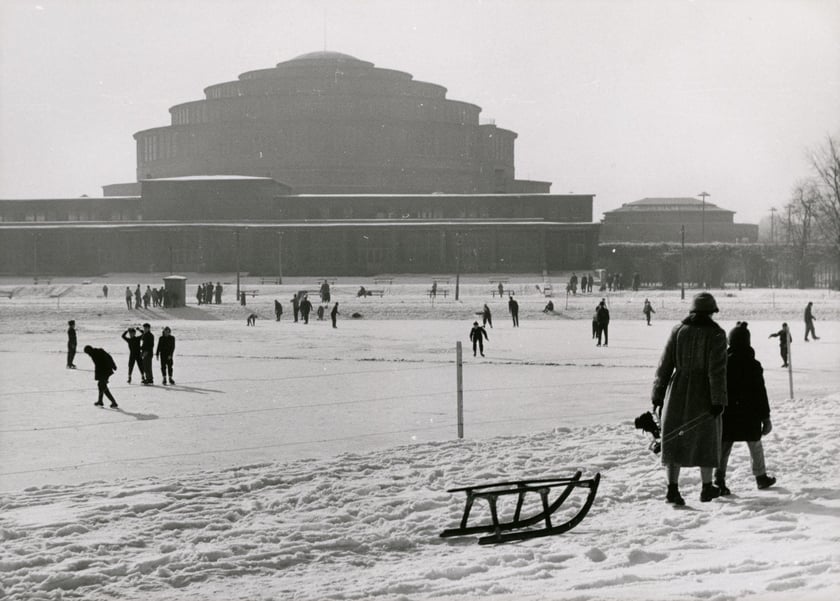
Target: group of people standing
<point x="708" y="397"/>
<point x="156" y="297"/>
<point x="208" y="294"/>
<point x="302" y="308"/>
<point x="586" y="283"/>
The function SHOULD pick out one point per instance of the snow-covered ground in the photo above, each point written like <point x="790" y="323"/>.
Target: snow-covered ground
<point x="303" y="462"/>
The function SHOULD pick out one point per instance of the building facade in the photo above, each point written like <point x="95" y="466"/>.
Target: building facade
<point x="662" y="219"/>
<point x="327" y="123"/>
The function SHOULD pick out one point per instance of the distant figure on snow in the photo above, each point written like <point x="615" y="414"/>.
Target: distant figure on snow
<point x="147" y="349"/>
<point x="501" y="290"/>
<point x="334" y="315"/>
<point x="320" y="312"/>
<point x="690" y="392"/>
<point x="103" y="368"/>
<point x="362" y="292"/>
<point x="134" y="353"/>
<point x="785" y="339"/>
<point x="549" y="306"/>
<point x="128" y="297"/>
<point x="478" y="335"/>
<point x="602" y="317"/>
<point x="71" y="344"/>
<point x="218" y="292"/>
<point x="138" y="297"/>
<point x="305" y="308"/>
<point x="105" y="290"/>
<point x="295" y="306"/>
<point x="325" y="292"/>
<point x="647" y="310"/>
<point x="252" y="320"/>
<point x="486" y="317"/>
<point x="809" y="322"/>
<point x="165" y="351"/>
<point x="513" y="307"/>
<point x="278" y="310"/>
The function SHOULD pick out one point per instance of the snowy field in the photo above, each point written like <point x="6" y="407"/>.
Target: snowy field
<point x="297" y="461"/>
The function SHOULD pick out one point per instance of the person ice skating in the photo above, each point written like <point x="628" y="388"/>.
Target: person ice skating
<point x="595" y="323"/>
<point x="147" y="297"/>
<point x="134" y="353"/>
<point x="549" y="306"/>
<point x="501" y="290"/>
<point x="334" y="315"/>
<point x="251" y="320"/>
<point x="809" y="322"/>
<point x="147" y="349"/>
<point x="199" y="294"/>
<point x="647" y="310"/>
<point x="584" y="282"/>
<point x="747" y="415"/>
<point x="591" y="281"/>
<point x="138" y="297"/>
<point x="433" y="291"/>
<point x="305" y="308"/>
<point x="478" y="335"/>
<point x="165" y="351"/>
<point x="320" y="312"/>
<point x="513" y="307"/>
<point x="362" y="292"/>
<point x="128" y="297"/>
<point x="105" y="290"/>
<point x="785" y="339"/>
<point x="103" y="368"/>
<point x="278" y="310"/>
<point x="71" y="344"/>
<point x="296" y="306"/>
<point x="602" y="317"/>
<point x="325" y="292"/>
<point x="486" y="317"/>
<point x="218" y="292"/>
<point x="690" y="393"/>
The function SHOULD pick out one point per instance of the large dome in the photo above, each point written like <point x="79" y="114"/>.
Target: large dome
<point x="327" y="122"/>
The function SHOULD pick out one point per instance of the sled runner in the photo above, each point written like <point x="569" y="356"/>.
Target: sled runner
<point x="520" y="488"/>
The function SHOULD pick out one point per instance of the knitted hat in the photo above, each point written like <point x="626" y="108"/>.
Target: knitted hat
<point x="704" y="303"/>
<point x="739" y="336"/>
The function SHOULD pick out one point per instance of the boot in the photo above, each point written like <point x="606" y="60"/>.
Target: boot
<point x="764" y="481"/>
<point x="721" y="484"/>
<point x="709" y="492"/>
<point x="673" y="495"/>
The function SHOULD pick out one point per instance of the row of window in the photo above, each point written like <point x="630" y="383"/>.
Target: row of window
<point x="71" y="215"/>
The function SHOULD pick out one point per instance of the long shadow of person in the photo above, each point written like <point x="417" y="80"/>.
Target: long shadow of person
<point x="193" y="389"/>
<point x="138" y="416"/>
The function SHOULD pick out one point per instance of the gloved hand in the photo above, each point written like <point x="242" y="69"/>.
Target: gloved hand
<point x="766" y="427"/>
<point x="716" y="410"/>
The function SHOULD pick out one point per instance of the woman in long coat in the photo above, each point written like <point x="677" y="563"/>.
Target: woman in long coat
<point x="690" y="390"/>
<point x="747" y="415"/>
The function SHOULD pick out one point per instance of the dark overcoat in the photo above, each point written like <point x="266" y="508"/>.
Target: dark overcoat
<point x="691" y="377"/>
<point x="103" y="364"/>
<point x="747" y="404"/>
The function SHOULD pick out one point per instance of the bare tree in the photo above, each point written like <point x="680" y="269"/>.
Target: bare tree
<point x="825" y="162"/>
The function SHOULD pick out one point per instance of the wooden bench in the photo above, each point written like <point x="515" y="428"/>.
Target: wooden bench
<point x="388" y="281"/>
<point x="441" y="280"/>
<point x="440" y="291"/>
<point x="36" y="280"/>
<point x="265" y="281"/>
<point x="253" y="293"/>
<point x="379" y="293"/>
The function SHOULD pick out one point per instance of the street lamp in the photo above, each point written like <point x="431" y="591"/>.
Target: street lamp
<point x="703" y="195"/>
<point x="237" y="265"/>
<point x="279" y="258"/>
<point x="457" y="264"/>
<point x="682" y="263"/>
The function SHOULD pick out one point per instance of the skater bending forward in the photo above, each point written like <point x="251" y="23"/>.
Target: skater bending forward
<point x="103" y="368"/>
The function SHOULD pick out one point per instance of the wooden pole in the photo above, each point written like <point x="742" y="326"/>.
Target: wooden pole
<point x="787" y="336"/>
<point x="460" y="382"/>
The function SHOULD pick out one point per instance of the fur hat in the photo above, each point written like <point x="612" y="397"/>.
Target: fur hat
<point x="704" y="303"/>
<point x="739" y="336"/>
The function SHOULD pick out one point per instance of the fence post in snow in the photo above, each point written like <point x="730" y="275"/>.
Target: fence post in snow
<point x="460" y="380"/>
<point x="790" y="359"/>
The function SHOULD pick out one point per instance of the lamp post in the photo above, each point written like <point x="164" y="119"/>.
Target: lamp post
<point x="237" y="264"/>
<point x="457" y="264"/>
<point x="682" y="263"/>
<point x="703" y="196"/>
<point x="279" y="258"/>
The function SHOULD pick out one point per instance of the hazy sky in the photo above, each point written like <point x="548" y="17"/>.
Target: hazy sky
<point x="622" y="99"/>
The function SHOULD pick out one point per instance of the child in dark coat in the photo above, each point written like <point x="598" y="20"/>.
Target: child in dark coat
<point x="477" y="336"/>
<point x="747" y="415"/>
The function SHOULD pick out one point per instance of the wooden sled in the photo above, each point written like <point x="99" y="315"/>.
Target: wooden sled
<point x="500" y="530"/>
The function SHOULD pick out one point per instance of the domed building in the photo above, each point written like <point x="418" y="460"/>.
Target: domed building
<point x="329" y="123"/>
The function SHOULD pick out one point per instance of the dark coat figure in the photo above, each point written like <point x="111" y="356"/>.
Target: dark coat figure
<point x="103" y="368"/>
<point x="637" y="281"/>
<point x="219" y="289"/>
<point x="747" y="415"/>
<point x="584" y="282"/>
<point x="199" y="294"/>
<point x="549" y="306"/>
<point x="147" y="349"/>
<point x="105" y="290"/>
<point x="647" y="310"/>
<point x="486" y="317"/>
<point x="362" y="292"/>
<point x="165" y="351"/>
<point x="278" y="310"/>
<point x="334" y="315"/>
<point x="501" y="290"/>
<point x="305" y="308"/>
<point x="128" y="297"/>
<point x="690" y="390"/>
<point x="595" y="323"/>
<point x="602" y="319"/>
<point x="320" y="312"/>
<point x="513" y="307"/>
<point x="147" y="297"/>
<point x="71" y="344"/>
<point x="591" y="281"/>
<point x="251" y="320"/>
<point x="477" y="336"/>
<point x="296" y="306"/>
<point x="573" y="282"/>
<point x="325" y="292"/>
<point x="134" y="353"/>
<point x="809" y="322"/>
<point x="138" y="297"/>
<point x="785" y="339"/>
